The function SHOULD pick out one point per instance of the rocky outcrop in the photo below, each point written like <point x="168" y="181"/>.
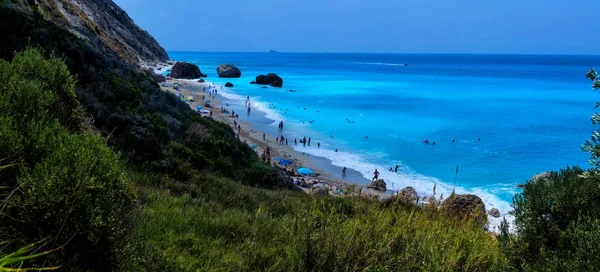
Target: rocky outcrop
<point x="408" y="195"/>
<point x="228" y="71"/>
<point x="228" y="84"/>
<point x="465" y="206"/>
<point x="101" y="23"/>
<point x="158" y="78"/>
<point x="541" y="177"/>
<point x="271" y="79"/>
<point x="201" y="80"/>
<point x="378" y="185"/>
<point x="252" y="82"/>
<point x="494" y="212"/>
<point x="186" y="70"/>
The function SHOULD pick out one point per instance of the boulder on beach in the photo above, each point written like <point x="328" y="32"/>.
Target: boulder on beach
<point x="378" y="185"/>
<point x="465" y="206"/>
<point x="228" y="71"/>
<point x="201" y="80"/>
<point x="494" y="212"/>
<point x="228" y="84"/>
<point x="271" y="79"/>
<point x="408" y="195"/>
<point x="186" y="70"/>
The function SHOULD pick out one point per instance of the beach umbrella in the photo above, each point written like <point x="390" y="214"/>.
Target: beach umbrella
<point x="190" y="98"/>
<point x="253" y="146"/>
<point x="207" y="100"/>
<point x="277" y="158"/>
<point x="198" y="108"/>
<point x="285" y="162"/>
<point x="304" y="171"/>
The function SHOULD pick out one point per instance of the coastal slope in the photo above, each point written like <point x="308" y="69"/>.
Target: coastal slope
<point x="101" y="23"/>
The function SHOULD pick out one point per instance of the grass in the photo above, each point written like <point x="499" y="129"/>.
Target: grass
<point x="212" y="224"/>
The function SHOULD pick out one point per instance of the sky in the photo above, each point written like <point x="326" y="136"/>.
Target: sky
<point x="374" y="26"/>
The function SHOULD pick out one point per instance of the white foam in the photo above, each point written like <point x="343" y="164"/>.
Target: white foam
<point x="382" y="63"/>
<point x="406" y="177"/>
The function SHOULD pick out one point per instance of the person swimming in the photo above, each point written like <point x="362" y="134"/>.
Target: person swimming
<point x="426" y="141"/>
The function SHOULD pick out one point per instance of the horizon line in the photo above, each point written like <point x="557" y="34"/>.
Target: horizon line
<point x="388" y="53"/>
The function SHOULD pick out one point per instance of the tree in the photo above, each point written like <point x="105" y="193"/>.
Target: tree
<point x="593" y="145"/>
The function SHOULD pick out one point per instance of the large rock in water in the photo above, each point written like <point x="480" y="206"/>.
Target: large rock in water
<point x="465" y="206"/>
<point x="408" y="195"/>
<point x="186" y="70"/>
<point x="271" y="79"/>
<point x="378" y="185"/>
<point x="228" y="70"/>
<point x="228" y="84"/>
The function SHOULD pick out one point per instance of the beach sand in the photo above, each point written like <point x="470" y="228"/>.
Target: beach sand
<point x="201" y="91"/>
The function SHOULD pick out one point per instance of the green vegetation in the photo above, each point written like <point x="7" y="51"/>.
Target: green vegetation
<point x="117" y="175"/>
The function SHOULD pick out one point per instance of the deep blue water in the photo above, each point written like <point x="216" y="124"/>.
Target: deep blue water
<point x="532" y="113"/>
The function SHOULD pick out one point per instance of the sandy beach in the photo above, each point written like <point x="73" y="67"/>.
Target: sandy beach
<point x="199" y="92"/>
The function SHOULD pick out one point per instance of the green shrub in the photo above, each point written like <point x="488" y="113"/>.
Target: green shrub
<point x="557" y="222"/>
<point x="60" y="184"/>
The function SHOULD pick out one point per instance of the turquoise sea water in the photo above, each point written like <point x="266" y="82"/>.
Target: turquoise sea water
<point x="532" y="113"/>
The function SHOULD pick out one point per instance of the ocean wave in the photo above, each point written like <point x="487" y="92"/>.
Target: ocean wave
<point x="382" y="63"/>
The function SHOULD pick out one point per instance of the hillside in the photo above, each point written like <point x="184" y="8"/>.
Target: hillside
<point x="101" y="23"/>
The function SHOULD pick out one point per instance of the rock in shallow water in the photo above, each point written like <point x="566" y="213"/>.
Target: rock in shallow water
<point x="228" y="71"/>
<point x="271" y="79"/>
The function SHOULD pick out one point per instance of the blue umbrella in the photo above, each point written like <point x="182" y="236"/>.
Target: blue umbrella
<point x="277" y="158"/>
<point x="207" y="100"/>
<point x="198" y="108"/>
<point x="285" y="162"/>
<point x="304" y="171"/>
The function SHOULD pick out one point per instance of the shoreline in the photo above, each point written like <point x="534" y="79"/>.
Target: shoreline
<point x="201" y="91"/>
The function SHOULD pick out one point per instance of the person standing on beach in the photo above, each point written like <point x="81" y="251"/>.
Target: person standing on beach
<point x="318" y="145"/>
<point x="286" y="142"/>
<point x="344" y="172"/>
<point x="308" y="141"/>
<point x="264" y="138"/>
<point x="239" y="129"/>
<point x="396" y="169"/>
<point x="295" y="142"/>
<point x="304" y="141"/>
<point x="375" y="174"/>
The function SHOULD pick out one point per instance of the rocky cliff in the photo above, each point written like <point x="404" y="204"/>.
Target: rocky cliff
<point x="101" y="23"/>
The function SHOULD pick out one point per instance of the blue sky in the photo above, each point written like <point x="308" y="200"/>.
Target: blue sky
<point x="378" y="26"/>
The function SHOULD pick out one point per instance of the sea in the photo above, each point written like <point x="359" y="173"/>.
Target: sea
<point x="492" y="121"/>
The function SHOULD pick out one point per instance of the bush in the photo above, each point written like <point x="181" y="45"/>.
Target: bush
<point x="557" y="222"/>
<point x="58" y="183"/>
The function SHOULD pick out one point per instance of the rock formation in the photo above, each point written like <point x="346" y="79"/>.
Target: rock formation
<point x="378" y="185"/>
<point x="186" y="70"/>
<point x="271" y="79"/>
<point x="228" y="71"/>
<point x="465" y="206"/>
<point x="408" y="195"/>
<point x="228" y="84"/>
<point x="494" y="212"/>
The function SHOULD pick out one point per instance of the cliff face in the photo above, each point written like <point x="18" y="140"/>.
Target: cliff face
<point x="101" y="23"/>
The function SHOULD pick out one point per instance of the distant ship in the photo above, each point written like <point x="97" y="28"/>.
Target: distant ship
<point x="273" y="51"/>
